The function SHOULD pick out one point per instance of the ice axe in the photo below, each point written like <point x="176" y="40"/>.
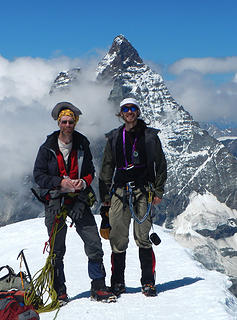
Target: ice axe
<point x="21" y="254"/>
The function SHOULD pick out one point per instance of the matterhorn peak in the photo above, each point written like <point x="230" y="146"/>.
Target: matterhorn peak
<point x="120" y="56"/>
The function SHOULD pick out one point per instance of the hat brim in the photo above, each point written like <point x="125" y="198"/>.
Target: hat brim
<point x="64" y="105"/>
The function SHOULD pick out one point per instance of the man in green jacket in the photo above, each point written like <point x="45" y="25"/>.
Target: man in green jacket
<point x="134" y="173"/>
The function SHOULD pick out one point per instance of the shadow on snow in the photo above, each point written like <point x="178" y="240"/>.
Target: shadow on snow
<point x="171" y="285"/>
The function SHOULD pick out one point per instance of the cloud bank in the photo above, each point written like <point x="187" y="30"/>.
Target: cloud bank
<point x="204" y="98"/>
<point x="205" y="65"/>
<point x="25" y="109"/>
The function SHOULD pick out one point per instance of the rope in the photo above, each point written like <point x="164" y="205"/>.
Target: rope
<point x="129" y="188"/>
<point x="41" y="289"/>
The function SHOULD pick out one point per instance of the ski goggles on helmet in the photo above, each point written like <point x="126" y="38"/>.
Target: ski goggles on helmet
<point x="131" y="108"/>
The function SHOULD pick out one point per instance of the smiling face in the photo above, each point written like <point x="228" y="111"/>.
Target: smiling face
<point x="129" y="112"/>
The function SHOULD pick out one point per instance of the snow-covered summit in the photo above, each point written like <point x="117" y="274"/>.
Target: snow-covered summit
<point x="186" y="290"/>
<point x="122" y="55"/>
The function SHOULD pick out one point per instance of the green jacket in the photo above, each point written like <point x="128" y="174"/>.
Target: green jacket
<point x="156" y="163"/>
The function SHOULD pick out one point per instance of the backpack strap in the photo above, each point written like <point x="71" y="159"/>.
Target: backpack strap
<point x="10" y="272"/>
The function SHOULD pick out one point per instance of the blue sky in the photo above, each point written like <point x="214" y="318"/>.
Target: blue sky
<point x="162" y="31"/>
<point x="175" y="37"/>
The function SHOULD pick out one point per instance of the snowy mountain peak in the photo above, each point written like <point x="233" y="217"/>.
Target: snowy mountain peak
<point x="64" y="79"/>
<point x="120" y="56"/>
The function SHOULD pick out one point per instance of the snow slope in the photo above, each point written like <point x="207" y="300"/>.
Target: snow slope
<point x="186" y="289"/>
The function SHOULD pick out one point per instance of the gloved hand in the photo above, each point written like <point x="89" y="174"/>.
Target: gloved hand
<point x="77" y="210"/>
<point x="54" y="205"/>
<point x="105" y="226"/>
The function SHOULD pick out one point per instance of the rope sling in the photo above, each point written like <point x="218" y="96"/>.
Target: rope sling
<point x="130" y="200"/>
<point x="41" y="293"/>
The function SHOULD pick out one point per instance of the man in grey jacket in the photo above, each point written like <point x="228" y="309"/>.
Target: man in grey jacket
<point x="134" y="172"/>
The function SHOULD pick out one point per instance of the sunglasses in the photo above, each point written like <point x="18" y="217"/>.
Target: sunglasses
<point x="67" y="121"/>
<point x="126" y="109"/>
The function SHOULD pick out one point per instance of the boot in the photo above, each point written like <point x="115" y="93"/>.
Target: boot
<point x="99" y="291"/>
<point x="148" y="262"/>
<point x="59" y="282"/>
<point x="62" y="295"/>
<point x="149" y="290"/>
<point x="118" y="268"/>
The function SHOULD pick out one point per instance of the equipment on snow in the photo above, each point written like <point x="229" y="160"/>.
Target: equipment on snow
<point x="12" y="306"/>
<point x="11" y="280"/>
<point x="22" y="255"/>
<point x="43" y="280"/>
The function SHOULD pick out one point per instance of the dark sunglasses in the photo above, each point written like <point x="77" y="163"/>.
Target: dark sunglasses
<point x="67" y="121"/>
<point x="132" y="108"/>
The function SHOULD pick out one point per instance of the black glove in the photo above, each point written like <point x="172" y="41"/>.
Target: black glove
<point x="105" y="226"/>
<point x="77" y="210"/>
<point x="54" y="205"/>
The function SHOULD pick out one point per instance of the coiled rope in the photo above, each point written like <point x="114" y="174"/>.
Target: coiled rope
<point x="41" y="293"/>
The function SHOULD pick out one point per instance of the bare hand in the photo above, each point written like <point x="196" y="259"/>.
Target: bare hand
<point x="78" y="184"/>
<point x="156" y="200"/>
<point x="67" y="185"/>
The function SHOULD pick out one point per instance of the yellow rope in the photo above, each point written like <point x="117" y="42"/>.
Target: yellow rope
<point x="41" y="289"/>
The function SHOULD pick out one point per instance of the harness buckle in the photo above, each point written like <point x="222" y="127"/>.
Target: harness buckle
<point x="131" y="184"/>
<point x="130" y="166"/>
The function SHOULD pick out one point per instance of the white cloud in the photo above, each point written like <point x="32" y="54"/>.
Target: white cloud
<point x="28" y="78"/>
<point x="25" y="107"/>
<point x="204" y="99"/>
<point x="205" y="65"/>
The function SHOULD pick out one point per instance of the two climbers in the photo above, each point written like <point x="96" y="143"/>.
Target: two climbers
<point x="133" y="168"/>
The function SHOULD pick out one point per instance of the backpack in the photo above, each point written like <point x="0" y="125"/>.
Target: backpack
<point x="12" y="306"/>
<point x="11" y="280"/>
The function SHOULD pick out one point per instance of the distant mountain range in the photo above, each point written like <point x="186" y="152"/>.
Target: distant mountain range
<point x="228" y="135"/>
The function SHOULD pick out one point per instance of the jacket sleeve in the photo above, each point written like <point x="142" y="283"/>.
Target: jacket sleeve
<point x="88" y="169"/>
<point x="106" y="173"/>
<point x="42" y="176"/>
<point x="160" y="170"/>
